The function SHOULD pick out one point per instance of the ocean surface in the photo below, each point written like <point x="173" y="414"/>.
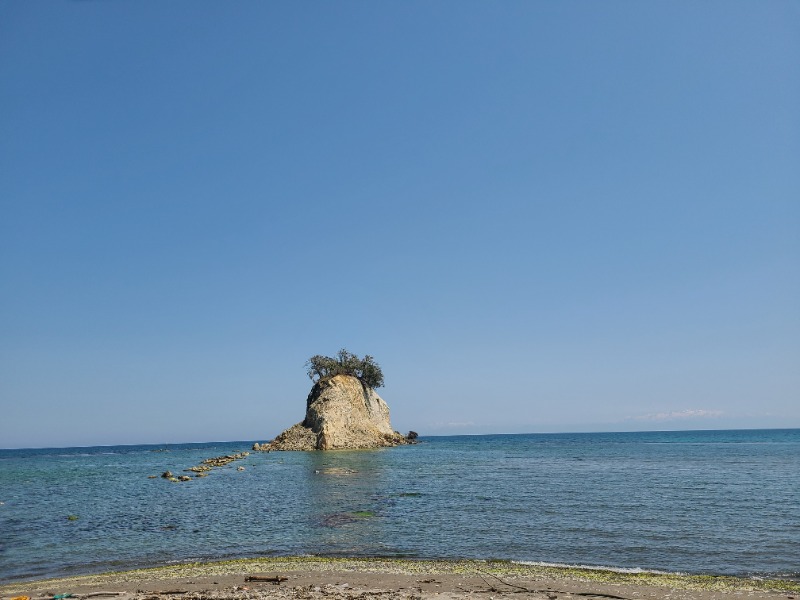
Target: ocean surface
<point x="722" y="502"/>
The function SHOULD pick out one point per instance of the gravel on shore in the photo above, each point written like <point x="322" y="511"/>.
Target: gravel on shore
<point x="320" y="578"/>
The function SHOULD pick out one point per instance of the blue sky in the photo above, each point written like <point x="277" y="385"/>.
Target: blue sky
<point x="537" y="216"/>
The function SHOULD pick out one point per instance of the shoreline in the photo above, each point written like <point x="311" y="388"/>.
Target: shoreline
<point x="349" y="578"/>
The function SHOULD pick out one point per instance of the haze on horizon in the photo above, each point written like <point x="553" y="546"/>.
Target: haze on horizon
<point x="537" y="217"/>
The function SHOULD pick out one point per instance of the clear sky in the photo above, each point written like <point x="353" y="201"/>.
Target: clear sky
<point x="535" y="215"/>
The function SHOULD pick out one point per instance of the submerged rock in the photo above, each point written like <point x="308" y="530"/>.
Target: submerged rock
<point x="198" y="469"/>
<point x="335" y="471"/>
<point x="203" y="469"/>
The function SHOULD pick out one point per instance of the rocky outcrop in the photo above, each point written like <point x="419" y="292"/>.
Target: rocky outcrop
<point x="203" y="469"/>
<point x="341" y="413"/>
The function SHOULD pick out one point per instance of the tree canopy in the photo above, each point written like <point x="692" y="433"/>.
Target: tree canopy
<point x="365" y="369"/>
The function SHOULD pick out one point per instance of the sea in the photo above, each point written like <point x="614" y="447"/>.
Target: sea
<point x="711" y="502"/>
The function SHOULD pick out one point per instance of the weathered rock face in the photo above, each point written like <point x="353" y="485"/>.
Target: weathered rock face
<point x="341" y="413"/>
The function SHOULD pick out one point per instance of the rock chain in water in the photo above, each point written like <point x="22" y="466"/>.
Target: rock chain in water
<point x="203" y="469"/>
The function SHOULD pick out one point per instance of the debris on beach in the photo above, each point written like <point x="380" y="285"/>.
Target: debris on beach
<point x="277" y="579"/>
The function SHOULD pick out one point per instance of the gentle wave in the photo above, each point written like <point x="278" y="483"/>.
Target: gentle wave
<point x="629" y="570"/>
<point x="569" y="500"/>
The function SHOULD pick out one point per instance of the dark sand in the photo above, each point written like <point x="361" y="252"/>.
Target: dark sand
<point x="311" y="578"/>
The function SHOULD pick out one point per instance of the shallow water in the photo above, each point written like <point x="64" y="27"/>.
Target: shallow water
<point x="723" y="502"/>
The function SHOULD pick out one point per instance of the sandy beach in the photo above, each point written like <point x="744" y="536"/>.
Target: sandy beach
<point x="312" y="578"/>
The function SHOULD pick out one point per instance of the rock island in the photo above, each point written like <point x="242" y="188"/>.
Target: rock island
<point x="343" y="410"/>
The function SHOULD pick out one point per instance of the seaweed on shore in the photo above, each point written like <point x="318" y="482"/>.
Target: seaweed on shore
<point x="497" y="567"/>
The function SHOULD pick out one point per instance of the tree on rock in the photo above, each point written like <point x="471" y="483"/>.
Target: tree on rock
<point x="365" y="369"/>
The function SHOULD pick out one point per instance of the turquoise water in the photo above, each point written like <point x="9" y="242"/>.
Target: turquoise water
<point x="725" y="502"/>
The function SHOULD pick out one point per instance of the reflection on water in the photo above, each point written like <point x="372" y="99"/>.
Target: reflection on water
<point x="348" y="500"/>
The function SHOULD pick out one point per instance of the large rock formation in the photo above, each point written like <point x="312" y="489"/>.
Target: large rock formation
<point x="341" y="413"/>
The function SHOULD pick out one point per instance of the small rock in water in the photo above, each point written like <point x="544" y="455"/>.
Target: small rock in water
<point x="198" y="469"/>
<point x="335" y="471"/>
<point x="166" y="474"/>
<point x="240" y="468"/>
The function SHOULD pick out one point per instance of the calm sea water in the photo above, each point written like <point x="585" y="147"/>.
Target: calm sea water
<point x="725" y="502"/>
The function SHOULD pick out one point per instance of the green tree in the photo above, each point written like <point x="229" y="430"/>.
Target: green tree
<point x="367" y="371"/>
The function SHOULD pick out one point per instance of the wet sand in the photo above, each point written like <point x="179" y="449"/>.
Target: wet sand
<point x="312" y="578"/>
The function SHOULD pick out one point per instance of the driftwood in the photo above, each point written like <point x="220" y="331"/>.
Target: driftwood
<point x="267" y="578"/>
<point x="82" y="596"/>
<point x="548" y="592"/>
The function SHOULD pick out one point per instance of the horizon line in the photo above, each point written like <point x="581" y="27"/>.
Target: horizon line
<point x="164" y="444"/>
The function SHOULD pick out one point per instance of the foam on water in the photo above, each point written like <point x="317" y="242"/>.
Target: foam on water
<point x="628" y="570"/>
